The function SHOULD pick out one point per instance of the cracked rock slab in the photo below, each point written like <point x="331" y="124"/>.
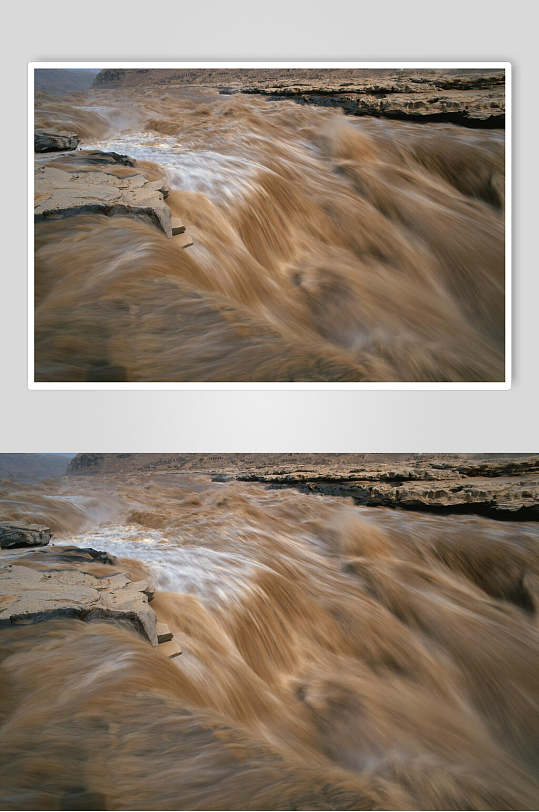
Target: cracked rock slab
<point x="91" y="182"/>
<point x="500" y="488"/>
<point x="55" y="583"/>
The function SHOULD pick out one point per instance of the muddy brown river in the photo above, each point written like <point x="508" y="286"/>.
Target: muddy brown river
<point x="334" y="657"/>
<point x="326" y="247"/>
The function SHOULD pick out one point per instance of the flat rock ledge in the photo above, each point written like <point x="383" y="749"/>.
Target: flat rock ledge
<point x="54" y="142"/>
<point x="473" y="100"/>
<point x="73" y="582"/>
<point x="505" y="489"/>
<point x="88" y="182"/>
<point x="21" y="535"/>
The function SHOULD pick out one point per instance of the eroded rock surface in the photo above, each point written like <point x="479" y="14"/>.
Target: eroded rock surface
<point x="73" y="582"/>
<point x="98" y="182"/>
<point x="468" y="109"/>
<point x="472" y="97"/>
<point x="500" y="488"/>
<point x="20" y="535"/>
<point x="476" y="100"/>
<point x="54" y="142"/>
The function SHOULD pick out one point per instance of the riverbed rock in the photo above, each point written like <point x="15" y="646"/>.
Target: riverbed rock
<point x="23" y="535"/>
<point x="163" y="633"/>
<point x="177" y="226"/>
<point x="54" y="142"/>
<point x="98" y="182"/>
<point x="60" y="582"/>
<point x="506" y="488"/>
<point x="472" y="109"/>
<point x="469" y="98"/>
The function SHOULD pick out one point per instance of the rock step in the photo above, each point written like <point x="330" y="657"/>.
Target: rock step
<point x="163" y="633"/>
<point x="170" y="649"/>
<point x="177" y="226"/>
<point x="90" y="181"/>
<point x="50" y="583"/>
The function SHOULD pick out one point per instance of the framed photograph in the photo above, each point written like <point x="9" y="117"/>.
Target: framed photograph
<point x="268" y="631"/>
<point x="270" y="225"/>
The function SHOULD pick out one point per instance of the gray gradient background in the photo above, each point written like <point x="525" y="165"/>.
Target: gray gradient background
<point x="222" y="421"/>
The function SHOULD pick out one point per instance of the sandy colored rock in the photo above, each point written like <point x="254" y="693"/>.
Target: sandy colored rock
<point x="89" y="182"/>
<point x="163" y="633"/>
<point x="468" y="107"/>
<point x="49" y="584"/>
<point x="501" y="487"/>
<point x="470" y="97"/>
<point x="177" y="226"/>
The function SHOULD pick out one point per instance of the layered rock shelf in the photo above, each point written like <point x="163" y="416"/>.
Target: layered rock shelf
<point x="503" y="490"/>
<point x="74" y="582"/>
<point x="504" y="487"/>
<point x="99" y="182"/>
<point x="49" y="584"/>
<point x="469" y="97"/>
<point x="472" y="101"/>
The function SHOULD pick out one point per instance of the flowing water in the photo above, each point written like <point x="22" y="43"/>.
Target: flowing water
<point x="326" y="247"/>
<point x="334" y="657"/>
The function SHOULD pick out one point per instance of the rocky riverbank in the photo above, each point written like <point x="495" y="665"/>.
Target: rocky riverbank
<point x="499" y="494"/>
<point x="504" y="487"/>
<point x="469" y="97"/>
<point x="43" y="584"/>
<point x="471" y="101"/>
<point x="99" y="182"/>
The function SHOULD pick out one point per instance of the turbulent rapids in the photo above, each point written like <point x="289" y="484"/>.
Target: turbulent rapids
<point x="334" y="657"/>
<point x="326" y="247"/>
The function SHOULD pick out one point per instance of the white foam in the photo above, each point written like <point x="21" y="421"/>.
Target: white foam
<point x="214" y="576"/>
<point x="218" y="175"/>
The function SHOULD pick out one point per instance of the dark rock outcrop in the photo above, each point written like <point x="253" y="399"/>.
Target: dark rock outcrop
<point x="19" y="535"/>
<point x="54" y="142"/>
<point x="109" y="77"/>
